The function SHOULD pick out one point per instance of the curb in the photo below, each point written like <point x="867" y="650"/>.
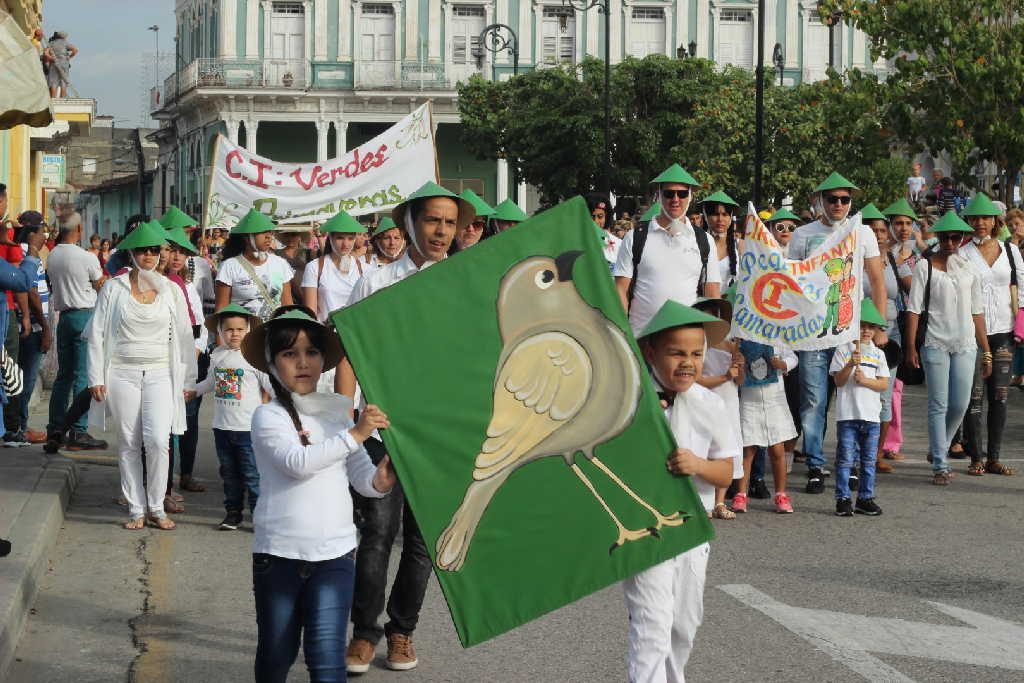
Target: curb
<point x="34" y="534"/>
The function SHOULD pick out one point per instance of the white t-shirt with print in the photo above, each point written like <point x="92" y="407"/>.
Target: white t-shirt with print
<point x="855" y="401"/>
<point x="809" y="237"/>
<point x="274" y="272"/>
<point x="236" y="389"/>
<point x="334" y="287"/>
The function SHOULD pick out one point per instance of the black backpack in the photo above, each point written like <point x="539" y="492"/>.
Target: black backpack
<point x="640" y="240"/>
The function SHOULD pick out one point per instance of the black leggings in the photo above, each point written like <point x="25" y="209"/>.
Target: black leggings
<point x="995" y="389"/>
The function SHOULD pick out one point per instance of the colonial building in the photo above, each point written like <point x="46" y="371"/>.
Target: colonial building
<point x="305" y="80"/>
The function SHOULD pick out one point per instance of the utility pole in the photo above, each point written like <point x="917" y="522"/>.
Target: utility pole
<point x="140" y="162"/>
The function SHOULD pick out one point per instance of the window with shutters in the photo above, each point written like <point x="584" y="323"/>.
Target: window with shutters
<point x="736" y="37"/>
<point x="815" y="48"/>
<point x="467" y="23"/>
<point x="559" y="35"/>
<point x="647" y="32"/>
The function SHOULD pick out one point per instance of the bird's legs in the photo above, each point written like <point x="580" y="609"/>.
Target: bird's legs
<point x="674" y="519"/>
<point x="625" y="534"/>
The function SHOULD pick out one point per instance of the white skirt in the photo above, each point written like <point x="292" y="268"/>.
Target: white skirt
<point x="764" y="415"/>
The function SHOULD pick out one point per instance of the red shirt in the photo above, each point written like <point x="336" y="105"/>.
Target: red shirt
<point x="14" y="256"/>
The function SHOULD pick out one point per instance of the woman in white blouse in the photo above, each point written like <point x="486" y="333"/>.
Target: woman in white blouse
<point x="308" y="453"/>
<point x="999" y="266"/>
<point x="250" y="274"/>
<point x="327" y="281"/>
<point x="141" y="362"/>
<point x="946" y="287"/>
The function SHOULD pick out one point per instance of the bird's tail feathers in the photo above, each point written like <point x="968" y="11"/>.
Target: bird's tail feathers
<point x="453" y="544"/>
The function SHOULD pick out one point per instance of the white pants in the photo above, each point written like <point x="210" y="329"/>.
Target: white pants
<point x="665" y="605"/>
<point x="140" y="402"/>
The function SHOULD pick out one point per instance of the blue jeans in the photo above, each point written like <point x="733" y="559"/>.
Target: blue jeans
<point x="814" y="390"/>
<point x="949" y="377"/>
<point x="309" y="599"/>
<point x="857" y="442"/>
<point x="71" y="368"/>
<point x="237" y="469"/>
<point x="29" y="357"/>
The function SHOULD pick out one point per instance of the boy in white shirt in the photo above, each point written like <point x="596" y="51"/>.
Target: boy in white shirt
<point x="666" y="602"/>
<point x="238" y="389"/>
<point x="861" y="375"/>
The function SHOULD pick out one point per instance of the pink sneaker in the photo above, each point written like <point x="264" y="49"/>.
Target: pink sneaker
<point x="739" y="502"/>
<point x="782" y="504"/>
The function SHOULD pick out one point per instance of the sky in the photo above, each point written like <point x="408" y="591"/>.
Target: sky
<point x="114" y="48"/>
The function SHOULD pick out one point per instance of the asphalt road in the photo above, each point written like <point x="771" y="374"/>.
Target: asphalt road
<point x="803" y="597"/>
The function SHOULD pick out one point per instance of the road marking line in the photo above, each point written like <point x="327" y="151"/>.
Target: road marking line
<point x="154" y="665"/>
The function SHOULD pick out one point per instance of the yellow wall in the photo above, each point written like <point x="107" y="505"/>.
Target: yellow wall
<point x="19" y="172"/>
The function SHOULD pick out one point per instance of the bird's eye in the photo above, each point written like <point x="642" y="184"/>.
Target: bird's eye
<point x="544" y="279"/>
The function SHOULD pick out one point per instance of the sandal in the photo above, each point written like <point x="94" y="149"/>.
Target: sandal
<point x="893" y="455"/>
<point x="172" y="506"/>
<point x="191" y="485"/>
<point x="996" y="467"/>
<point x="942" y="478"/>
<point x="976" y="469"/>
<point x="722" y="511"/>
<point x="135" y="523"/>
<point x="175" y="496"/>
<point x="162" y="523"/>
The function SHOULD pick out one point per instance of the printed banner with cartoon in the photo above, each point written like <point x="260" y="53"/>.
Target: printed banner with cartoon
<point x="526" y="432"/>
<point x="371" y="178"/>
<point x="806" y="305"/>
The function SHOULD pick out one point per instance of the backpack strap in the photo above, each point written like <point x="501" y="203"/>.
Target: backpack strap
<point x="639" y="241"/>
<point x="1013" y="265"/>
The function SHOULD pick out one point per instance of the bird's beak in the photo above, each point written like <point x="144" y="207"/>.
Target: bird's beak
<point x="564" y="263"/>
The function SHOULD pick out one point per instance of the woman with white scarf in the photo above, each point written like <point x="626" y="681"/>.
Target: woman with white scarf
<point x="327" y="282"/>
<point x="999" y="266"/>
<point x="946" y="288"/>
<point x="250" y="275"/>
<point x="141" y="361"/>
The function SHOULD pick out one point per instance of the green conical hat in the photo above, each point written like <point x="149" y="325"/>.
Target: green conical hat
<point x="981" y="205"/>
<point x="900" y="207"/>
<point x="253" y="223"/>
<point x="179" y="237"/>
<point x="342" y="222"/>
<point x="674" y="314"/>
<point x="385" y="223"/>
<point x="254" y="344"/>
<point x="651" y="212"/>
<point x="950" y="222"/>
<point x="730" y="294"/>
<point x="508" y="210"/>
<point x="783" y="215"/>
<point x="213" y="320"/>
<point x="718" y="198"/>
<point x="149" y="234"/>
<point x="871" y="213"/>
<point x="676" y="174"/>
<point x="467" y="212"/>
<point x="176" y="218"/>
<point x="482" y="208"/>
<point x="869" y="313"/>
<point x="835" y="182"/>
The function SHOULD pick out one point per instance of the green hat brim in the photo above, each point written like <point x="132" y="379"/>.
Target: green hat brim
<point x="149" y="234"/>
<point x="467" y="212"/>
<point x="718" y="198"/>
<point x="176" y="218"/>
<point x="981" y="205"/>
<point x="178" y="237"/>
<point x="384" y="224"/>
<point x="651" y="212"/>
<point x="674" y="314"/>
<point x="481" y="207"/>
<point x="869" y="314"/>
<point x="253" y="223"/>
<point x="870" y="212"/>
<point x="900" y="207"/>
<point x="213" y="320"/>
<point x="508" y="210"/>
<point x="720" y="308"/>
<point x="676" y="174"/>
<point x="783" y="215"/>
<point x="836" y="182"/>
<point x="950" y="222"/>
<point x="342" y="222"/>
<point x="254" y="344"/>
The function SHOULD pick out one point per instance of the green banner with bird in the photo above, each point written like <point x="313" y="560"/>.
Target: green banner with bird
<point x="525" y="429"/>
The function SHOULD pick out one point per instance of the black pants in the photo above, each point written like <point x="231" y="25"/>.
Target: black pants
<point x="995" y="389"/>
<point x="378" y="528"/>
<point x="188" y="443"/>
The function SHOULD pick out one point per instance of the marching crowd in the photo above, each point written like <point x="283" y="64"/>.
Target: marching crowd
<point x="145" y="328"/>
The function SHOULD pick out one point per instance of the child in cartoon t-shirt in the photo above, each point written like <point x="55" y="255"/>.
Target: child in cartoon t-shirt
<point x="238" y="389"/>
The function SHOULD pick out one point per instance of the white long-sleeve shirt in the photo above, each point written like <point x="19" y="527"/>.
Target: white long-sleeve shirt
<point x="305" y="510"/>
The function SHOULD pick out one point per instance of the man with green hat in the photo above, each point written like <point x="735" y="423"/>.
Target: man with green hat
<point x="782" y="223"/>
<point x="471" y="234"/>
<point x="831" y="202"/>
<point x="431" y="216"/>
<point x="507" y="215"/>
<point x="667" y="258"/>
<point x="666" y="602"/>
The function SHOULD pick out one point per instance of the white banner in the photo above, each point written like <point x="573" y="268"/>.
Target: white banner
<point x="373" y="177"/>
<point x="806" y="305"/>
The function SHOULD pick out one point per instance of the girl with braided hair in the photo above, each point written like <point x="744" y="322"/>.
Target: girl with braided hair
<point x="718" y="211"/>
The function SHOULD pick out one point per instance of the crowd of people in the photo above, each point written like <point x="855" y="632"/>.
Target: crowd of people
<point x="145" y="327"/>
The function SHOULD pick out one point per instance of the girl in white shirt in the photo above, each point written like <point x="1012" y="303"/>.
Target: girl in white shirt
<point x="946" y="286"/>
<point x="308" y="453"/>
<point x="718" y="209"/>
<point x="328" y="281"/>
<point x="250" y="275"/>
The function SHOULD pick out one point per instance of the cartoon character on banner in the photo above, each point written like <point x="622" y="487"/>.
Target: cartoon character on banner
<point x="846" y="285"/>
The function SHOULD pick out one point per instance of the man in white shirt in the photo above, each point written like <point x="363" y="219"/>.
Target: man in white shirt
<point x="666" y="259"/>
<point x="75" y="277"/>
<point x="832" y="203"/>
<point x="431" y="216"/>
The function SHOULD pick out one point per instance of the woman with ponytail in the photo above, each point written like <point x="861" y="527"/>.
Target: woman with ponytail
<point x="308" y="453"/>
<point x="718" y="210"/>
<point x="327" y="282"/>
<point x="250" y="274"/>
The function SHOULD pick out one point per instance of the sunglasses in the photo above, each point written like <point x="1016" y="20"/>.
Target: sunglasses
<point x="152" y="251"/>
<point x="950" y="236"/>
<point x="784" y="228"/>
<point x="843" y="199"/>
<point x="672" y="194"/>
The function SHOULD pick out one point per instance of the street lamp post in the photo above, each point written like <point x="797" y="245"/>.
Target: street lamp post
<point x="779" y="60"/>
<point x="604" y="7"/>
<point x="497" y="38"/>
<point x="759" y="107"/>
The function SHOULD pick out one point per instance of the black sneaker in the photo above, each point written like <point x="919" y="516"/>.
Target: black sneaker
<point x="758" y="489"/>
<point x="233" y="520"/>
<point x="854" y="480"/>
<point x="844" y="507"/>
<point x="868" y="506"/>
<point x="53" y="443"/>
<point x="81" y="441"/>
<point x="815" y="481"/>
<point x="15" y="440"/>
<point x="730" y="492"/>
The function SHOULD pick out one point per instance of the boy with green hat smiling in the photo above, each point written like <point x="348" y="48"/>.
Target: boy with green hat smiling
<point x="666" y="602"/>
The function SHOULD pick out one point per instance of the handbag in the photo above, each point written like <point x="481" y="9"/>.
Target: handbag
<point x="10" y="374"/>
<point x="1018" y="319"/>
<point x="907" y="373"/>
